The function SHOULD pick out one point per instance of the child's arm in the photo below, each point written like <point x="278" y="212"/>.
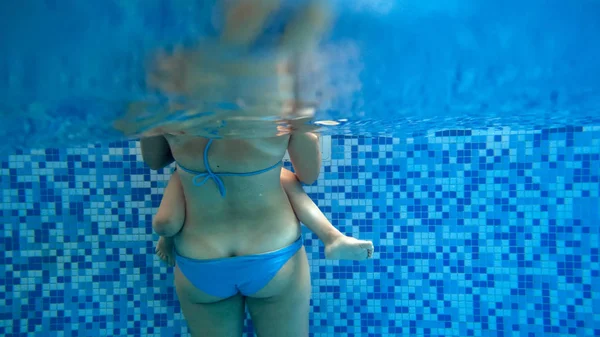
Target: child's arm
<point x="306" y="210"/>
<point x="156" y="152"/>
<point x="305" y="155"/>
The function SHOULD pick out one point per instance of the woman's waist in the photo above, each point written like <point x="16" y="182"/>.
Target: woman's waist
<point x="238" y="209"/>
<point x="222" y="240"/>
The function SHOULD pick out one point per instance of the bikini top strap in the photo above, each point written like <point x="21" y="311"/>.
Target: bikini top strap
<point x="200" y="178"/>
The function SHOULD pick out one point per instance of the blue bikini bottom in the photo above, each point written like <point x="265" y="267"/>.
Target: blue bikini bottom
<point x="228" y="276"/>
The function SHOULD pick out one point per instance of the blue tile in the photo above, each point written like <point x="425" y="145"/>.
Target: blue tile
<point x="475" y="236"/>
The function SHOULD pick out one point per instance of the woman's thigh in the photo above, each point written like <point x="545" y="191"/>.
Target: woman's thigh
<point x="208" y="315"/>
<point x="281" y="308"/>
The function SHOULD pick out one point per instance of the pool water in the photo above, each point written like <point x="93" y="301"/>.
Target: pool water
<point x="386" y="67"/>
<point x="468" y="151"/>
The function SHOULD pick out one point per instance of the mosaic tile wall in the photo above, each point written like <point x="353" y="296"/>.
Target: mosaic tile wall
<point x="490" y="233"/>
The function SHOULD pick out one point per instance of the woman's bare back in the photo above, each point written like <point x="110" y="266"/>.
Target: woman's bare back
<point x="253" y="217"/>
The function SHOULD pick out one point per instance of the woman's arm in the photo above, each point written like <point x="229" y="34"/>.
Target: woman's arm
<point x="306" y="156"/>
<point x="156" y="152"/>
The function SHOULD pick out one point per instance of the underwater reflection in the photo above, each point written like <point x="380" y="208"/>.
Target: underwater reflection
<point x="225" y="86"/>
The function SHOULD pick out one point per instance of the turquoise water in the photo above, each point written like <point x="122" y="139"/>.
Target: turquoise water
<point x="386" y="67"/>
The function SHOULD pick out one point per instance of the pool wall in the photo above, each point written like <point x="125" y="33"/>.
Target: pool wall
<point x="477" y="233"/>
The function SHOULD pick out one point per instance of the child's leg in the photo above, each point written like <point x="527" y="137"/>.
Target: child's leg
<point x="349" y="248"/>
<point x="337" y="245"/>
<point x="169" y="219"/>
<point x="165" y="249"/>
<point x="171" y="212"/>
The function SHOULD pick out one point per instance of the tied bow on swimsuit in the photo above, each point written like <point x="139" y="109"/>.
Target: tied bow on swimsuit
<point x="200" y="178"/>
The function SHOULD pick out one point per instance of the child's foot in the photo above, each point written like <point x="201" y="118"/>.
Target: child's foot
<point x="165" y="250"/>
<point x="349" y="248"/>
